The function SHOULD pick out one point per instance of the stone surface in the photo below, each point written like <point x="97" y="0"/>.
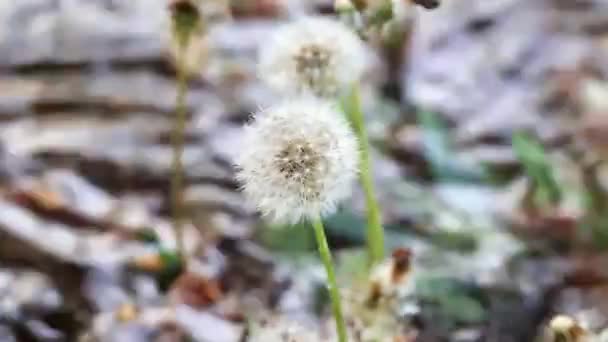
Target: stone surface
<point x="80" y="31"/>
<point x="484" y="65"/>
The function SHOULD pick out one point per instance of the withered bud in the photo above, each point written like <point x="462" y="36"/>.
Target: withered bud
<point x="360" y="5"/>
<point x="566" y="329"/>
<point x="387" y="278"/>
<point x="186" y="19"/>
<point x="428" y="4"/>
<point x="344" y="6"/>
<point x="401" y="263"/>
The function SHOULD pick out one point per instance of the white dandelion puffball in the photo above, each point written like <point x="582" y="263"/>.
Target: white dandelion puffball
<point x="312" y="55"/>
<point x="298" y="159"/>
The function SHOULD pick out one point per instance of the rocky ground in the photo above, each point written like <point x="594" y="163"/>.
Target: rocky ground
<point x="87" y="93"/>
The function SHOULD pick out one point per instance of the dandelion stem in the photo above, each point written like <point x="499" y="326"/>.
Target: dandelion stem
<point x="178" y="147"/>
<point x="375" y="232"/>
<point x="334" y="292"/>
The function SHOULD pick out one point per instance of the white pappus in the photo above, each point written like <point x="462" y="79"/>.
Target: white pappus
<point x="298" y="159"/>
<point x="313" y="55"/>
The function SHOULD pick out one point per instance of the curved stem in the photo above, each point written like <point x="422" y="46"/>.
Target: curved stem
<point x="334" y="293"/>
<point x="178" y="147"/>
<point x="375" y="232"/>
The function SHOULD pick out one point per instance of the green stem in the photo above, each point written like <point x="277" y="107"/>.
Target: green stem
<point x="375" y="232"/>
<point x="178" y="147"/>
<point x="334" y="293"/>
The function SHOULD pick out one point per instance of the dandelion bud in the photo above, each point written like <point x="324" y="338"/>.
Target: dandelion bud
<point x="344" y="6"/>
<point x="312" y="55"/>
<point x="298" y="160"/>
<point x="186" y="19"/>
<point x="360" y="4"/>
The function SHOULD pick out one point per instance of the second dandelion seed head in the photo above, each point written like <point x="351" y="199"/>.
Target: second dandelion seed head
<point x="312" y="55"/>
<point x="299" y="159"/>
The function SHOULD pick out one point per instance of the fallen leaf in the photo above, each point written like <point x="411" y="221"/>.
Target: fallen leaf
<point x="195" y="290"/>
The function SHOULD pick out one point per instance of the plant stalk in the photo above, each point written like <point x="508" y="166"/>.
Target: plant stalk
<point x="375" y="232"/>
<point x="334" y="292"/>
<point x="178" y="147"/>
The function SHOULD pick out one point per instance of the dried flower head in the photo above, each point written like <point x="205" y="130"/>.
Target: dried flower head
<point x="298" y="159"/>
<point x="312" y="55"/>
<point x="390" y="277"/>
<point x="186" y="19"/>
<point x="566" y="329"/>
<point x="373" y="307"/>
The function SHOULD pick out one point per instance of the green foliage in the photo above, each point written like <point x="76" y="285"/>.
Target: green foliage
<point x="381" y="14"/>
<point x="439" y="154"/>
<point x="459" y="241"/>
<point x="290" y="239"/>
<point x="595" y="224"/>
<point x="320" y="299"/>
<point x="597" y="227"/>
<point x="147" y="236"/>
<point x="531" y="154"/>
<point x="348" y="225"/>
<point x="463" y="308"/>
<point x="172" y="268"/>
<point x="170" y="260"/>
<point x="353" y="264"/>
<point x="452" y="300"/>
<point x="351" y="228"/>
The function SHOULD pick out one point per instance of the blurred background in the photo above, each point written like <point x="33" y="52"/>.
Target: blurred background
<point x="489" y="121"/>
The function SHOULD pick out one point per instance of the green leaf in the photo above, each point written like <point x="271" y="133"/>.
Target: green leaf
<point x="454" y="299"/>
<point x="172" y="268"/>
<point x="435" y="287"/>
<point x="531" y="154"/>
<point x="352" y="227"/>
<point x="381" y="14"/>
<point x="463" y="309"/>
<point x="439" y="154"/>
<point x="353" y="264"/>
<point x="147" y="235"/>
<point x="460" y="241"/>
<point x="289" y="239"/>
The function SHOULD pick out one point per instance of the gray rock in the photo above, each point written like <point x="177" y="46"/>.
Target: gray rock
<point x="76" y="31"/>
<point x="43" y="332"/>
<point x="6" y="334"/>
<point x="205" y="327"/>
<point x="129" y="333"/>
<point x="484" y="64"/>
<point x="79" y="195"/>
<point x="104" y="288"/>
<point x="22" y="288"/>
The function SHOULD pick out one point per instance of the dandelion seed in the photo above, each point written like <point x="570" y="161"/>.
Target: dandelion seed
<point x="312" y="55"/>
<point x="298" y="160"/>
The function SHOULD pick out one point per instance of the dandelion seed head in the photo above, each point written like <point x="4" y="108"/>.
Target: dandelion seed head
<point x="298" y="160"/>
<point x="312" y="55"/>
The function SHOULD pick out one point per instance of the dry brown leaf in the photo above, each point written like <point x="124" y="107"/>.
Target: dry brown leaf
<point x="195" y="290"/>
